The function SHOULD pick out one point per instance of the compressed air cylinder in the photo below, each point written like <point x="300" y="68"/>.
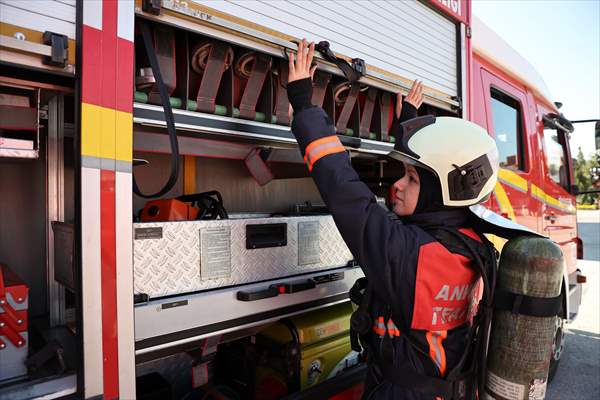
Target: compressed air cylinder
<point x="520" y="345"/>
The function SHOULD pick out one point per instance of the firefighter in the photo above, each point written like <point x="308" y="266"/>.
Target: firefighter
<point x="415" y="318"/>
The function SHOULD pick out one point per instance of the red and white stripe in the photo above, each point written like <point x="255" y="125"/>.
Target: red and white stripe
<point x="107" y="272"/>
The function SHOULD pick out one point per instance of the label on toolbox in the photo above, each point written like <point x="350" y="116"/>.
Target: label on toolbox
<point x="309" y="251"/>
<point x="215" y="252"/>
<point x="148" y="233"/>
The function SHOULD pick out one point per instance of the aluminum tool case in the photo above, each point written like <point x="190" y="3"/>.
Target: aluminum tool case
<point x="172" y="258"/>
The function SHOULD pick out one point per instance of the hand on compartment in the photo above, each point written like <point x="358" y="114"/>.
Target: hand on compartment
<point x="414" y="97"/>
<point x="300" y="66"/>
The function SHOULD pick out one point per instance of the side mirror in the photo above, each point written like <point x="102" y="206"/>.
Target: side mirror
<point x="574" y="190"/>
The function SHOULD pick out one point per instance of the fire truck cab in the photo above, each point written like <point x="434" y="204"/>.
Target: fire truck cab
<point x="160" y="235"/>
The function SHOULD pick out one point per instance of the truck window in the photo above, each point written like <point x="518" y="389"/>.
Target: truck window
<point x="507" y="129"/>
<point x="556" y="157"/>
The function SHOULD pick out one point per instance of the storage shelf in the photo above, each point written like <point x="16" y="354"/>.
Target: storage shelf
<point x="18" y="153"/>
<point x="235" y="128"/>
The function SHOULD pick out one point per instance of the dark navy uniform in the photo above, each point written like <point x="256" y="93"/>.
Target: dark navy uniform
<point x="423" y="289"/>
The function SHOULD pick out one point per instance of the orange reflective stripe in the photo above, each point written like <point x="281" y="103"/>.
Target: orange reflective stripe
<point x="379" y="326"/>
<point x="315" y="143"/>
<point x="392" y="329"/>
<point x="436" y="349"/>
<point x="320" y="148"/>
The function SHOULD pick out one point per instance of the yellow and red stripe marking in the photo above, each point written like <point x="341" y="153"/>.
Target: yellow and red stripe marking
<point x="106" y="150"/>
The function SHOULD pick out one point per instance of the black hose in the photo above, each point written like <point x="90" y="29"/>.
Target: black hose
<point x="169" y="119"/>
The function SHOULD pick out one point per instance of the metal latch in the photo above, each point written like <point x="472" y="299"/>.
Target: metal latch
<point x="59" y="45"/>
<point x="359" y="65"/>
<point x="458" y="99"/>
<point x="152" y="6"/>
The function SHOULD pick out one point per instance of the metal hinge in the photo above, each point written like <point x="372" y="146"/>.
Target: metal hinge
<point x="469" y="32"/>
<point x="152" y="6"/>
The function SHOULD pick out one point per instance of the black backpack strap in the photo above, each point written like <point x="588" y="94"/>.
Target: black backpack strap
<point x="527" y="305"/>
<point x="351" y="72"/>
<point x="361" y="322"/>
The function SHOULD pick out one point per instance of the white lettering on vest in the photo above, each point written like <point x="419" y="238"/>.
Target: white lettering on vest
<point x="445" y="315"/>
<point x="459" y="293"/>
<point x="443" y="293"/>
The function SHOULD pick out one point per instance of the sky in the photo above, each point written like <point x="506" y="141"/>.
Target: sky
<point x="561" y="39"/>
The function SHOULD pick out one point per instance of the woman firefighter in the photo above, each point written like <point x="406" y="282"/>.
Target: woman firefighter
<point x="416" y="319"/>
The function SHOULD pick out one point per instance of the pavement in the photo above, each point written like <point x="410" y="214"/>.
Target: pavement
<point x="578" y="376"/>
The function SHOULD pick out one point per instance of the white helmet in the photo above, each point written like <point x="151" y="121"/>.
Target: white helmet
<point x="460" y="153"/>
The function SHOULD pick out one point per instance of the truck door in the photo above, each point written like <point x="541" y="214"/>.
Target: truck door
<point x="559" y="208"/>
<point x="509" y="121"/>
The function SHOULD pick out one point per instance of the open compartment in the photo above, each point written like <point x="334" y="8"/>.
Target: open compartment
<point x="39" y="334"/>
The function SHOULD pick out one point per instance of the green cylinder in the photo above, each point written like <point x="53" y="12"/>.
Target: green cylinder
<point x="260" y="117"/>
<point x="175" y="102"/>
<point x="372" y="136"/>
<point x="219" y="109"/>
<point x="521" y="345"/>
<point x="140" y="97"/>
<point x="392" y="139"/>
<point x="349" y="132"/>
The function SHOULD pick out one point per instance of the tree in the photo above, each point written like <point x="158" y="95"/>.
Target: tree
<point x="586" y="177"/>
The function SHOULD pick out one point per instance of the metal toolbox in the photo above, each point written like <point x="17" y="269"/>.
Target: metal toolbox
<point x="172" y="258"/>
<point x="14" y="340"/>
<point x="314" y="346"/>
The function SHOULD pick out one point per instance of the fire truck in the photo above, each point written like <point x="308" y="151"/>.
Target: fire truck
<point x="160" y="235"/>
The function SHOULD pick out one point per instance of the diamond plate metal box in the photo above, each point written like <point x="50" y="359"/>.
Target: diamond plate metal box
<point x="181" y="257"/>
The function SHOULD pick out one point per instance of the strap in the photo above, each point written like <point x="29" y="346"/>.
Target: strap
<point x="527" y="305"/>
<point x="320" y="82"/>
<point x="360" y="320"/>
<point x="283" y="104"/>
<point x="342" y="120"/>
<point x="258" y="168"/>
<point x="385" y="106"/>
<point x="367" y="113"/>
<point x="169" y="119"/>
<point x="254" y="85"/>
<point x="216" y="64"/>
<point x="485" y="311"/>
<point x="351" y="72"/>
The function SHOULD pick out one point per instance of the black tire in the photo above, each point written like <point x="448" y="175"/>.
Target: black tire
<point x="558" y="347"/>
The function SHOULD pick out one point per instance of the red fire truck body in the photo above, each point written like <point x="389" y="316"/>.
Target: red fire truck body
<point x="116" y="298"/>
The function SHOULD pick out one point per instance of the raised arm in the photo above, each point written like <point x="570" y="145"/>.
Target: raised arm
<point x="365" y="226"/>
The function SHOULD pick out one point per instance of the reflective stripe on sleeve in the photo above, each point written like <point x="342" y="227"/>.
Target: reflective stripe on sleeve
<point x="392" y="328"/>
<point x="379" y="326"/>
<point x="436" y="349"/>
<point x="321" y="148"/>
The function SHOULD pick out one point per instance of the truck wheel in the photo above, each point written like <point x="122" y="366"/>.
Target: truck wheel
<point x="558" y="347"/>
